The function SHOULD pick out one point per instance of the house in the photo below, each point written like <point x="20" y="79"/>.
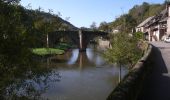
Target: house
<point x="141" y="26"/>
<point x="155" y="28"/>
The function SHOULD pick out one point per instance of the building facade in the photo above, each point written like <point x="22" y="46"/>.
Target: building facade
<point x="157" y="27"/>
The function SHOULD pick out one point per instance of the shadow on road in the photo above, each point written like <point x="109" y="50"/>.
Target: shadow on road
<point x="157" y="86"/>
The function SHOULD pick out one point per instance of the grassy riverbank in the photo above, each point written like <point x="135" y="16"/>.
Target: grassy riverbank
<point x="58" y="50"/>
<point x="47" y="51"/>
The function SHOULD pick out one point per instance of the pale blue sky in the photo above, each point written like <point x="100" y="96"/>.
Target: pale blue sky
<point x="84" y="12"/>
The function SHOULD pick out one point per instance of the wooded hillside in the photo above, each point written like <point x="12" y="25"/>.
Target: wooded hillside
<point x="136" y="15"/>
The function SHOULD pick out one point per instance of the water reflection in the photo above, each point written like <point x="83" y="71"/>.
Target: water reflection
<point x="90" y="54"/>
<point x="84" y="76"/>
<point x="74" y="57"/>
<point x="83" y="58"/>
<point x="25" y="81"/>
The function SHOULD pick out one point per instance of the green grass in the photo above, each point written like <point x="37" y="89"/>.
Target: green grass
<point x="47" y="51"/>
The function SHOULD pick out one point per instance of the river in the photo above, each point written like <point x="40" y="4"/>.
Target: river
<point x="72" y="76"/>
<point x="83" y="76"/>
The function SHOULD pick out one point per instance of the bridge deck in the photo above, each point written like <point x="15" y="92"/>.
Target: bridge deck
<point x="158" y="85"/>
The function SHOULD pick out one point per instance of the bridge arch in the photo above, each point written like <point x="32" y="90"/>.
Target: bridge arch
<point x="81" y="38"/>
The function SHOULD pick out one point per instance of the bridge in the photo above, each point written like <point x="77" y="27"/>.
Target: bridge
<point x="81" y="38"/>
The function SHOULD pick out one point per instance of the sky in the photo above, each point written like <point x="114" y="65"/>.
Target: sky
<point x="82" y="13"/>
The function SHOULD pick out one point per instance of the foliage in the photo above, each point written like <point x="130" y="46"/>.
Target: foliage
<point x="124" y="23"/>
<point x="93" y="26"/>
<point x="104" y="26"/>
<point x="135" y="16"/>
<point x="124" y="50"/>
<point x="15" y="36"/>
<point x="20" y="83"/>
<point x="47" y="51"/>
<point x="63" y="46"/>
<point x="11" y="1"/>
<point x="46" y="23"/>
<point x="139" y="35"/>
<point x="45" y="27"/>
<point x="19" y="73"/>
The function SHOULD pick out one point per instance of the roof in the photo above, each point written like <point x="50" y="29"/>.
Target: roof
<point x="163" y="11"/>
<point x="145" y="21"/>
<point x="164" y="20"/>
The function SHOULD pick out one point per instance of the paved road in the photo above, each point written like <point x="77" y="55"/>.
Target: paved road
<point x="158" y="85"/>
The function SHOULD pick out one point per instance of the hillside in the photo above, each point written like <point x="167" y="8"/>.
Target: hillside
<point x="64" y="22"/>
<point x="136" y="15"/>
<point x="46" y="15"/>
<point x="19" y="24"/>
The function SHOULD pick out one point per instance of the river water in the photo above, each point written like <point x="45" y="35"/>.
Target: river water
<point x="83" y="76"/>
<point x="72" y="76"/>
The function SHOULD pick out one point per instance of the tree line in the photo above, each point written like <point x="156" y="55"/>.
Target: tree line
<point x="134" y="17"/>
<point x="22" y="29"/>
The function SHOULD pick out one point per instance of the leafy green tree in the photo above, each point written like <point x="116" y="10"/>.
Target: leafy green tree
<point x="123" y="51"/>
<point x="15" y="34"/>
<point x="16" y="64"/>
<point x="48" y="24"/>
<point x="45" y="26"/>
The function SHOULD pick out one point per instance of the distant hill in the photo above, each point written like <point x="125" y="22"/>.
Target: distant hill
<point x="136" y="15"/>
<point x="48" y="15"/>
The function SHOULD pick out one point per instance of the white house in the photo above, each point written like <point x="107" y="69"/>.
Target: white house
<point x="156" y="27"/>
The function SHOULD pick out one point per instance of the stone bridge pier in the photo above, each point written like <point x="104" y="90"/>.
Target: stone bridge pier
<point x="82" y="41"/>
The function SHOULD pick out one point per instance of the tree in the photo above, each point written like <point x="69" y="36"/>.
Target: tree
<point x="15" y="36"/>
<point x="16" y="64"/>
<point x="11" y="1"/>
<point x="124" y="51"/>
<point x="93" y="26"/>
<point x="136" y="15"/>
<point x="104" y="26"/>
<point x="46" y="25"/>
<point x="129" y="23"/>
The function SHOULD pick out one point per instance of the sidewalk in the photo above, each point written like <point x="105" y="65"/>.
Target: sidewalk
<point x="158" y="85"/>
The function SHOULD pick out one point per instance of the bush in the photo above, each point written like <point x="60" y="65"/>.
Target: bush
<point x="139" y="35"/>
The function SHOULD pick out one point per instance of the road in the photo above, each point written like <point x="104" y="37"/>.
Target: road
<point x="157" y="86"/>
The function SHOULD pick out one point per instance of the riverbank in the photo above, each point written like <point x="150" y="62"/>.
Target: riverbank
<point x="47" y="51"/>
